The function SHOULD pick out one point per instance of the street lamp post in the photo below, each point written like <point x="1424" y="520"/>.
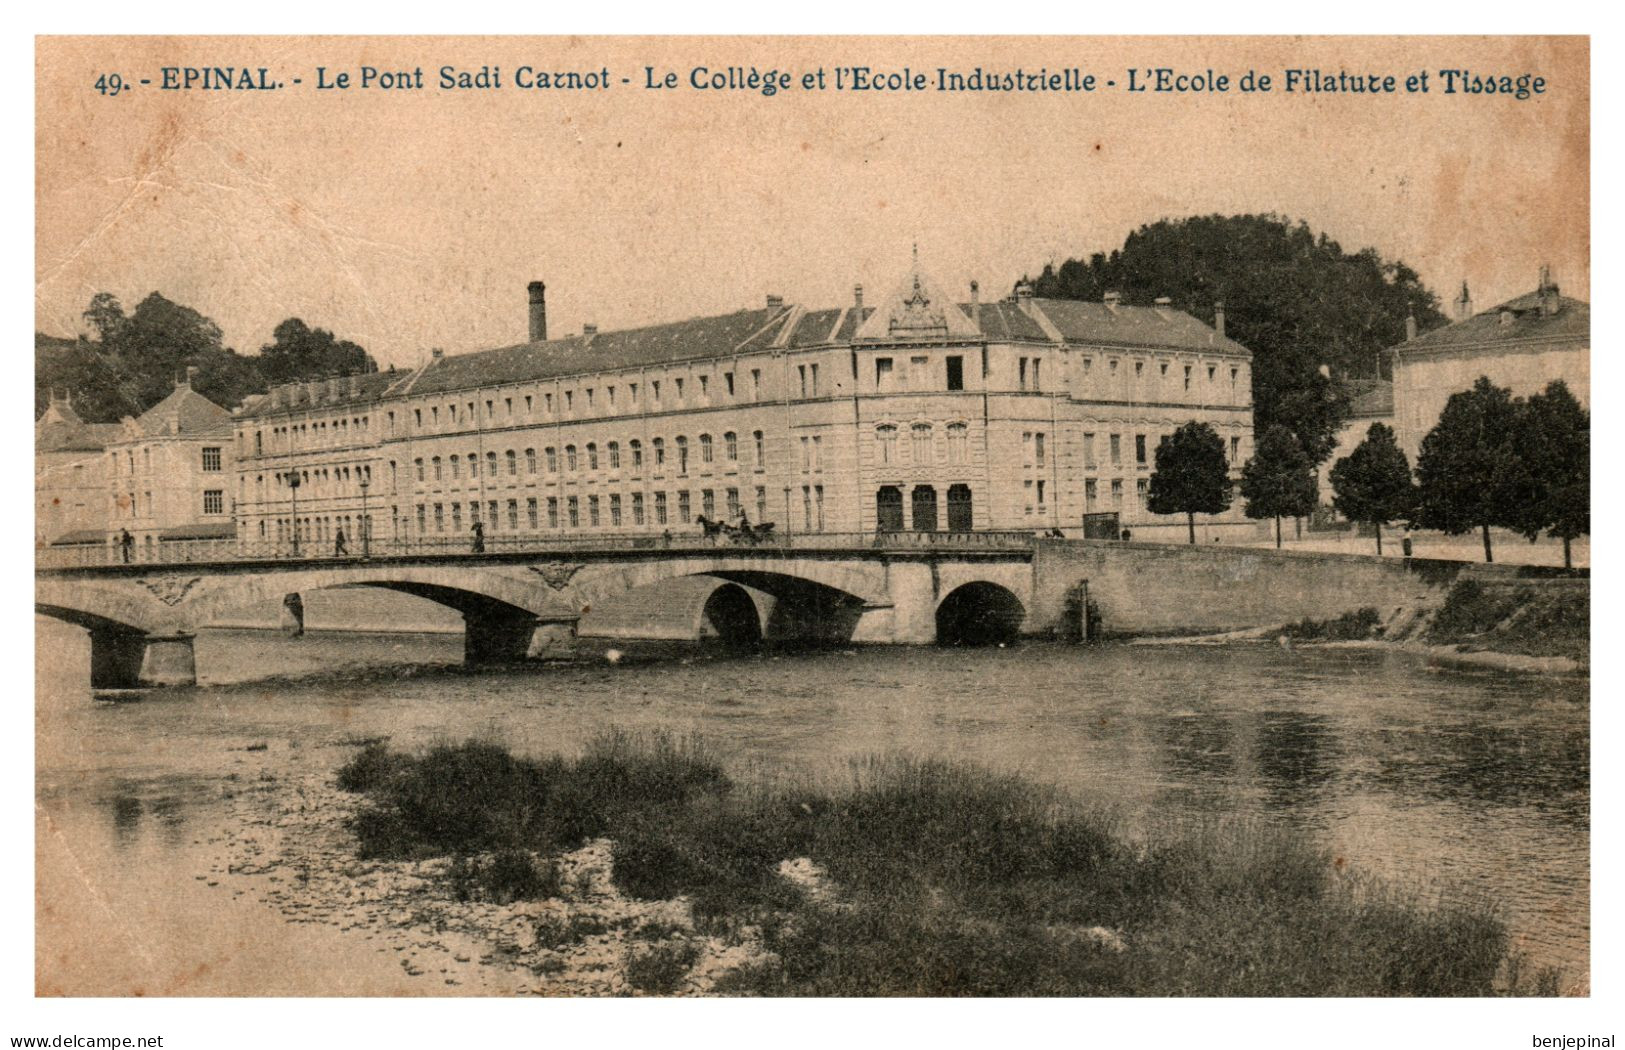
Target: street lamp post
<point x="293" y="495"/>
<point x="366" y="524"/>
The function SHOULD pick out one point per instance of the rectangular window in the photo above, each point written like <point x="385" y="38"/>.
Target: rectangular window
<point x="705" y="386"/>
<point x="552" y="512"/>
<point x="815" y="380"/>
<point x="1139" y="449"/>
<point x="919" y="373"/>
<point x="530" y="512"/>
<point x="637" y="508"/>
<point x="685" y="512"/>
<point x="440" y="517"/>
<point x="1027" y="487"/>
<point x="761" y="503"/>
<point x="575" y="512"/>
<point x="818" y="507"/>
<point x="708" y="503"/>
<point x="1038" y="450"/>
<point x="802" y="369"/>
<point x="1089" y="451"/>
<point x="882" y="373"/>
<point x="1117" y="450"/>
<point x="733" y="504"/>
<point x="728" y="378"/>
<point x="1140" y="488"/>
<point x="678" y="382"/>
<point x="592" y="511"/>
<point x="1117" y="492"/>
<point x="756" y="382"/>
<point x="214" y="501"/>
<point x="423" y="524"/>
<point x="1040" y="493"/>
<point x="956" y="373"/>
<point x="660" y="508"/>
<point x="211" y="458"/>
<point x="761" y="450"/>
<point x="1235" y="451"/>
<point x="615" y="510"/>
<point x="1090" y="493"/>
<point x="1021" y="373"/>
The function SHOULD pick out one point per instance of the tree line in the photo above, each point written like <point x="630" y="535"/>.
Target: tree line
<point x="131" y="360"/>
<point x="1492" y="461"/>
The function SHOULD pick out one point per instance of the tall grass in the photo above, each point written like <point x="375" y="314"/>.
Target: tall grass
<point x="940" y="878"/>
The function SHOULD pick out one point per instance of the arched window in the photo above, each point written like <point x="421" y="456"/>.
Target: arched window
<point x="513" y="462"/>
<point x="889" y="509"/>
<point x="705" y="449"/>
<point x="437" y="468"/>
<point x="552" y="460"/>
<point x="614" y="450"/>
<point x="959" y="507"/>
<point x="530" y="461"/>
<point x="921" y="434"/>
<point x="637" y="457"/>
<point x="473" y="465"/>
<point x="682" y="454"/>
<point x="886" y="438"/>
<point x="924" y="499"/>
<point x="730" y="446"/>
<point x="761" y="449"/>
<point x="958" y="446"/>
<point x="570" y="458"/>
<point x="456" y="467"/>
<point x="491" y="464"/>
<point x="592" y="455"/>
<point x="660" y="452"/>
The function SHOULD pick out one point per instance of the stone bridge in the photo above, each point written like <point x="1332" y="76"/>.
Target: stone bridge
<point x="142" y="619"/>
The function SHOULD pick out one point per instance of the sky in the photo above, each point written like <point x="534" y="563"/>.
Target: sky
<point x="410" y="220"/>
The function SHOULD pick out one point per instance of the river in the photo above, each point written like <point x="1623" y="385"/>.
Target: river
<point x="1470" y="784"/>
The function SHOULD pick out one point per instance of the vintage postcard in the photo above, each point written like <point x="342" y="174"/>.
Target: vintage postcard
<point x="812" y="516"/>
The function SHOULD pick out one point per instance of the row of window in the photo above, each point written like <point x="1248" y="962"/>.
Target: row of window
<point x="593" y="511"/>
<point x="311" y="434"/>
<point x="211" y="463"/>
<point x="214" y="502"/>
<point x="574" y="459"/>
<point x="1142" y="450"/>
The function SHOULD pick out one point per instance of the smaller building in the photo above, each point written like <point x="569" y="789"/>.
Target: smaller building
<point x="168" y="471"/>
<point x="1522" y="344"/>
<point x="70" y="476"/>
<point x="1370" y="401"/>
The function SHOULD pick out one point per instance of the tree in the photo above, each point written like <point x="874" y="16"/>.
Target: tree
<point x="1296" y="300"/>
<point x="1191" y="476"/>
<point x="1279" y="480"/>
<point x="1469" y="472"/>
<point x="1373" y="483"/>
<point x="301" y="352"/>
<point x="1556" y="440"/>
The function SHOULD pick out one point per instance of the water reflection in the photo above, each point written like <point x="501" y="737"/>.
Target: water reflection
<point x="1294" y="753"/>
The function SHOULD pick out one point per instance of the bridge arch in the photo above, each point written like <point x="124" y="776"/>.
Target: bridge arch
<point x="979" y="613"/>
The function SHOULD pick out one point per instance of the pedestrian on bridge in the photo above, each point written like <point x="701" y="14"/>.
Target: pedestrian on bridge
<point x="479" y="537"/>
<point x="126" y="544"/>
<point x="339" y="550"/>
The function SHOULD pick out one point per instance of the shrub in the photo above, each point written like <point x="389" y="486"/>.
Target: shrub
<point x="505" y="877"/>
<point x="659" y="969"/>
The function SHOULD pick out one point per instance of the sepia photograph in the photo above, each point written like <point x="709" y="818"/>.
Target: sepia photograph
<point x="815" y="516"/>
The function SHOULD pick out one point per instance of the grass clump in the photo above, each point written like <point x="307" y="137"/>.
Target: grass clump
<point x="921" y="877"/>
<point x="1349" y="627"/>
<point x="1530" y="620"/>
<point x="506" y="876"/>
<point x="659" y="969"/>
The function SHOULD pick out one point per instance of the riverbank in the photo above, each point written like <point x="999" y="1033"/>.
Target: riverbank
<point x="1518" y="625"/>
<point x="641" y="867"/>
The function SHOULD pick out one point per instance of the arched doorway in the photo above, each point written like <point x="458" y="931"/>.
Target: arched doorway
<point x="959" y="508"/>
<point x="925" y="508"/>
<point x="889" y="509"/>
<point x="730" y="619"/>
<point x="979" y="614"/>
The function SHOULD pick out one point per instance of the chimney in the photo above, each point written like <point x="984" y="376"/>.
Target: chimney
<point x="1464" y="303"/>
<point x="975" y="299"/>
<point x="774" y="302"/>
<point x="588" y="331"/>
<point x="1218" y="317"/>
<point x="191" y="374"/>
<point x="1163" y="303"/>
<point x="1024" y="290"/>
<point x="538" y="312"/>
<point x="857" y="298"/>
<point x="1410" y="327"/>
<point x="436" y="354"/>
<point x="1548" y="292"/>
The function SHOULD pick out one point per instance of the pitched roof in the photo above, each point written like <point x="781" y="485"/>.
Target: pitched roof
<point x="1525" y="322"/>
<point x="63" y="436"/>
<point x="184" y="413"/>
<point x="696" y="339"/>
<point x="364" y="387"/>
<point x="1139" y="326"/>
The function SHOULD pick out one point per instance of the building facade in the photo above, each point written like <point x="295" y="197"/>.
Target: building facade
<point x="1522" y="344"/>
<point x="169" y="472"/>
<point x="71" y="503"/>
<point x="915" y="412"/>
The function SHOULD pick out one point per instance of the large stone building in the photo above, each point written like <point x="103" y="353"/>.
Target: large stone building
<point x="913" y="412"/>
<point x="1522" y="344"/>
<point x="168" y="472"/>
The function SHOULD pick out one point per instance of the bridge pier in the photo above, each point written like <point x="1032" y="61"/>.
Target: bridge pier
<point x="500" y="639"/>
<point x="128" y="659"/>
